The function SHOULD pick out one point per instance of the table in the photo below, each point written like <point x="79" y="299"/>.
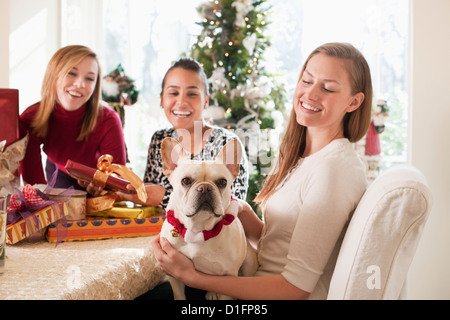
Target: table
<point x="113" y="269"/>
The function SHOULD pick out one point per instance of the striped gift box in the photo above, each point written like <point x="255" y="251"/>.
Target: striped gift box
<point x="21" y="230"/>
<point x="95" y="228"/>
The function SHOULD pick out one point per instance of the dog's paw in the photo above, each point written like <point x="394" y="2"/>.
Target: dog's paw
<point x="216" y="296"/>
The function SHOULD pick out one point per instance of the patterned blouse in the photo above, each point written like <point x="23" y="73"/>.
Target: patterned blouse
<point x="217" y="139"/>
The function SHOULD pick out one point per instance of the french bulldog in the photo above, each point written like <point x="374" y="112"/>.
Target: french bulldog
<point x="201" y="216"/>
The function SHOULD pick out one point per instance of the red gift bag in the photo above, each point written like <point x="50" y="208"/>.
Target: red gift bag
<point x="9" y="115"/>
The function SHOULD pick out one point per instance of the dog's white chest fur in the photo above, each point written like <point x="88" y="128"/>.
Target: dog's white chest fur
<point x="201" y="201"/>
<point x="221" y="255"/>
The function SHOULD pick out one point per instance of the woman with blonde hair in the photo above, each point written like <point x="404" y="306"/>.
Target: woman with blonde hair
<point x="312" y="192"/>
<point x="70" y="122"/>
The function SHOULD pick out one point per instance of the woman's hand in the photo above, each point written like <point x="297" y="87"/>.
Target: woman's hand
<point x="172" y="261"/>
<point x="244" y="208"/>
<point x="155" y="194"/>
<point x="250" y="221"/>
<point x="130" y="196"/>
<point x="91" y="188"/>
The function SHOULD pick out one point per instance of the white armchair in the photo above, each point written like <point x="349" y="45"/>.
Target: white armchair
<point x="382" y="237"/>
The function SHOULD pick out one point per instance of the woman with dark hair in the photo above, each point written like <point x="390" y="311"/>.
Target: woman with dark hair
<point x="184" y="96"/>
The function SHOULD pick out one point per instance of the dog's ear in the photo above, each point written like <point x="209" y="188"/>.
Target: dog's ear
<point x="171" y="152"/>
<point x="231" y="155"/>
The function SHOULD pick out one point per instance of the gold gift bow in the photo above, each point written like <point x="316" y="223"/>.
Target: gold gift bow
<point x="10" y="159"/>
<point x="106" y="167"/>
<point x="101" y="203"/>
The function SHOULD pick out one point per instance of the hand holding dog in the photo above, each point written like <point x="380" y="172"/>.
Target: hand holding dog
<point x="250" y="221"/>
<point x="171" y="261"/>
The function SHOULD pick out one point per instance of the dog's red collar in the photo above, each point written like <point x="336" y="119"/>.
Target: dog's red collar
<point x="189" y="236"/>
<point x="207" y="234"/>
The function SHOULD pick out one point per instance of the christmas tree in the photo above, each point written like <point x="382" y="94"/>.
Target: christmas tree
<point x="244" y="96"/>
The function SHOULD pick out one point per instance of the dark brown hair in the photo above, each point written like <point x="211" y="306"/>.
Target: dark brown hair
<point x="189" y="64"/>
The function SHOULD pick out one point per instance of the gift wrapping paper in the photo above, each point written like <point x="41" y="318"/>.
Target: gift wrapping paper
<point x="76" y="205"/>
<point x="80" y="171"/>
<point x="19" y="230"/>
<point x="9" y="115"/>
<point x="95" y="228"/>
<point x="127" y="210"/>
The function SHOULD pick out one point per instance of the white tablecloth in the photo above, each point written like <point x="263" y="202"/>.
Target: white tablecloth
<point x="103" y="269"/>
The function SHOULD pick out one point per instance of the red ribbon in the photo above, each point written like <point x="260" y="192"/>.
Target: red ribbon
<point x="207" y="234"/>
<point x="25" y="202"/>
<point x="30" y="199"/>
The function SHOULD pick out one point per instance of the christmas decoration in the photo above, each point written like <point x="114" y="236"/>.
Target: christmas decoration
<point x="118" y="90"/>
<point x="230" y="47"/>
<point x="369" y="147"/>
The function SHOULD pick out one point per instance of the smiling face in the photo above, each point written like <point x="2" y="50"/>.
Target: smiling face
<point x="183" y="98"/>
<point x="75" y="88"/>
<point x="324" y="95"/>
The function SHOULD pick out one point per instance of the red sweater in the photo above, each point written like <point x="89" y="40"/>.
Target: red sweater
<point x="61" y="145"/>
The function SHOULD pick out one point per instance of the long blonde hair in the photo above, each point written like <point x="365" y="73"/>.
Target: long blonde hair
<point x="356" y="122"/>
<point x="59" y="66"/>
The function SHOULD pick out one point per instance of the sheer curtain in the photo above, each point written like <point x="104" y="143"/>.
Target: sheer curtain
<point x="147" y="36"/>
<point x="379" y="28"/>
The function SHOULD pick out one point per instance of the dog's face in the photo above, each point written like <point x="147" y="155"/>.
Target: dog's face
<point x="201" y="189"/>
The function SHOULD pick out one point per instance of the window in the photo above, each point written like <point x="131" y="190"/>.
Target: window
<point x="146" y="36"/>
<point x="379" y="28"/>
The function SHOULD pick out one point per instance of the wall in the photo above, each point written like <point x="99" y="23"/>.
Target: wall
<point x="83" y="27"/>
<point x="4" y="43"/>
<point x="34" y="37"/>
<point x="429" y="144"/>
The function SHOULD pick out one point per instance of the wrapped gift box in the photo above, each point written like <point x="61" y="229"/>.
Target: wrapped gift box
<point x="21" y="230"/>
<point x="9" y="134"/>
<point x="128" y="210"/>
<point x="97" y="228"/>
<point x="76" y="205"/>
<point x="80" y="171"/>
<point x="9" y="115"/>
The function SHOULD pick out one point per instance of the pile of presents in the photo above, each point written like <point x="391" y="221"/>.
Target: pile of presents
<point x="57" y="215"/>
